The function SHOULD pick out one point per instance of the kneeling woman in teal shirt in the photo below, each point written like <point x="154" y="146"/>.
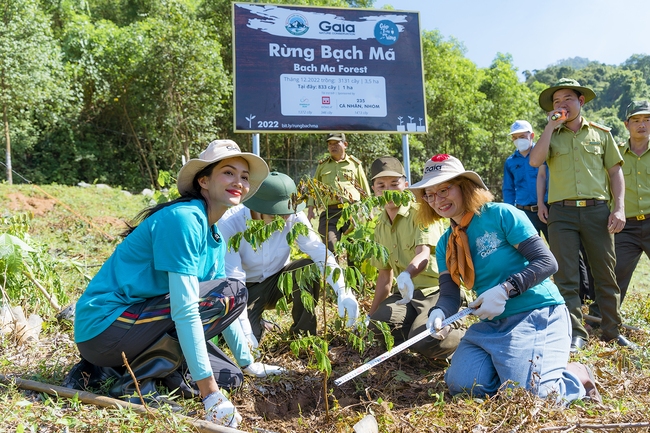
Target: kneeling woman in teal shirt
<point x="524" y="336"/>
<point x="162" y="293"/>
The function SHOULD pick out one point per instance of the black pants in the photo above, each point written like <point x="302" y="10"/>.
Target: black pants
<point x="266" y="294"/>
<point x="329" y="218"/>
<point x="222" y="301"/>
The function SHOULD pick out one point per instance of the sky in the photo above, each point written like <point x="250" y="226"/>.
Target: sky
<point x="538" y="33"/>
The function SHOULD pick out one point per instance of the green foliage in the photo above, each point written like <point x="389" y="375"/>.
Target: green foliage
<point x="33" y="86"/>
<point x="316" y="349"/>
<point x="24" y="268"/>
<point x="257" y="232"/>
<point x="170" y="189"/>
<point x="401" y="376"/>
<point x="362" y="338"/>
<point x="385" y="330"/>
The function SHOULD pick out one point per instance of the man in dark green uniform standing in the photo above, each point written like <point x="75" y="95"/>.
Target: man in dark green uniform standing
<point x="344" y="173"/>
<point x="634" y="240"/>
<point x="585" y="175"/>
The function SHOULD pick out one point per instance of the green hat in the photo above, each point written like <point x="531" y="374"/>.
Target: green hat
<point x="274" y="196"/>
<point x="546" y="97"/>
<point x="386" y="166"/>
<point x="637" y="107"/>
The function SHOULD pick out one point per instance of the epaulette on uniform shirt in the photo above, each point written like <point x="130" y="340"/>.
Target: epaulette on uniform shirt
<point x="327" y="158"/>
<point x="355" y="159"/>
<point x="599" y="126"/>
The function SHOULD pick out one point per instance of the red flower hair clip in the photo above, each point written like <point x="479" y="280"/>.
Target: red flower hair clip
<point x="439" y="157"/>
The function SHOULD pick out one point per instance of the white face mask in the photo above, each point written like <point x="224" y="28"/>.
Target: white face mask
<point x="522" y="144"/>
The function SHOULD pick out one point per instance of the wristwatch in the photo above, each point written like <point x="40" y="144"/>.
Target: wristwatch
<point x="511" y="288"/>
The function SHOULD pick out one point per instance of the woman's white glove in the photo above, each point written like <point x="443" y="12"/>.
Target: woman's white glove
<point x="405" y="287"/>
<point x="259" y="369"/>
<point x="434" y="324"/>
<point x="490" y="303"/>
<point x="347" y="302"/>
<point x="219" y="410"/>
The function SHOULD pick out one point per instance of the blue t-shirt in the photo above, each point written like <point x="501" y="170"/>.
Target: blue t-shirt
<point x="176" y="239"/>
<point x="492" y="236"/>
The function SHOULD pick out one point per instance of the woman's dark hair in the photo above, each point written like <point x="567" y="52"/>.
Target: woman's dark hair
<point x="187" y="196"/>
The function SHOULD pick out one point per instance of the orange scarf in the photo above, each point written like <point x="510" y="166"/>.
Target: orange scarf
<point x="459" y="261"/>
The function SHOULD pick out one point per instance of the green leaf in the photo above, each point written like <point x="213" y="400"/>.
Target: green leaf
<point x="401" y="376"/>
<point x="10" y="245"/>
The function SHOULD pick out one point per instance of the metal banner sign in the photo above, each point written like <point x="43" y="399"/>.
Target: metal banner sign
<point x="302" y="69"/>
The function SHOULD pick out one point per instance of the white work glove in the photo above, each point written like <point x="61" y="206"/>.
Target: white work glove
<point x="348" y="303"/>
<point x="490" y="303"/>
<point x="434" y="324"/>
<point x="259" y="369"/>
<point x="219" y="410"/>
<point x="405" y="287"/>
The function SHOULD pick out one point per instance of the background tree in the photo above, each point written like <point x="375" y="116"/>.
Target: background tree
<point x="33" y="88"/>
<point x="453" y="103"/>
<point x="506" y="100"/>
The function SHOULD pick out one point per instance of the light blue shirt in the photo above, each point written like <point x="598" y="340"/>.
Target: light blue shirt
<point x="492" y="236"/>
<point x="175" y="240"/>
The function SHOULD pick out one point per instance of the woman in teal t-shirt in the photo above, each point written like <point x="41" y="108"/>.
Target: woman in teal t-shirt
<point x="524" y="335"/>
<point x="156" y="299"/>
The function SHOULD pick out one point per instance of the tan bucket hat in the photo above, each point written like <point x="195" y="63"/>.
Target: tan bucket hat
<point x="216" y="151"/>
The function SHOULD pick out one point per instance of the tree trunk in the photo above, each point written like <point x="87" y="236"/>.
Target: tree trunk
<point x="5" y="120"/>
<point x="153" y="180"/>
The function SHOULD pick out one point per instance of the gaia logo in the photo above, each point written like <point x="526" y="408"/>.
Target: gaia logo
<point x="297" y="24"/>
<point x="386" y="32"/>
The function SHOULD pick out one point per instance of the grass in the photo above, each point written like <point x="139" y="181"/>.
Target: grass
<point x="641" y="278"/>
<point x="77" y="229"/>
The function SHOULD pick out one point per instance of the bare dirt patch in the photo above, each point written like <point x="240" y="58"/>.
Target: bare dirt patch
<point x="39" y="206"/>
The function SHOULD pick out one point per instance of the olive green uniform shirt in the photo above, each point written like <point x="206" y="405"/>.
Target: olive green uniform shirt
<point x="578" y="163"/>
<point x="636" y="172"/>
<point x="401" y="238"/>
<point x="342" y="175"/>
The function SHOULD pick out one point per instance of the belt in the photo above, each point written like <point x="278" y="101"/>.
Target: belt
<point x="532" y="208"/>
<point x="335" y="206"/>
<point x="638" y="218"/>
<point x="580" y="203"/>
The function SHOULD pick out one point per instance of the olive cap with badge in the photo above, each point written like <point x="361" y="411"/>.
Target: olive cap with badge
<point x="636" y="108"/>
<point x="336" y="136"/>
<point x="546" y="97"/>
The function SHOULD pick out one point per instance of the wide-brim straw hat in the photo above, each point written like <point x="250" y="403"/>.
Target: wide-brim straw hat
<point x="217" y="151"/>
<point x="442" y="168"/>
